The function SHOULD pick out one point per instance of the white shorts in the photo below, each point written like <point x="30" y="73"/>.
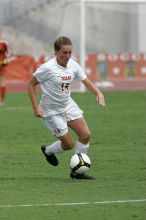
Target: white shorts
<point x="57" y="124"/>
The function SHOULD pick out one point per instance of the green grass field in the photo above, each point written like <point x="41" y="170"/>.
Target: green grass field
<point x="117" y="151"/>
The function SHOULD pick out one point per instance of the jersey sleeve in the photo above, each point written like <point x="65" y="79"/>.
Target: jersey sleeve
<point x="42" y="73"/>
<point x="79" y="73"/>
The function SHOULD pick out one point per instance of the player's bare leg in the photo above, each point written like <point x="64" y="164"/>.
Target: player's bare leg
<point x="2" y="90"/>
<point x="80" y="127"/>
<point x="67" y="142"/>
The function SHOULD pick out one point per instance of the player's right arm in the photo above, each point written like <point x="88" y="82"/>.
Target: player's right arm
<point x="32" y="94"/>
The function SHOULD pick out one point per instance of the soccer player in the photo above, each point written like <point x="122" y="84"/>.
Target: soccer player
<point x="57" y="109"/>
<point x="4" y="55"/>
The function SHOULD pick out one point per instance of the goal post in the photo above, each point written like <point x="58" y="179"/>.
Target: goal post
<point x="83" y="5"/>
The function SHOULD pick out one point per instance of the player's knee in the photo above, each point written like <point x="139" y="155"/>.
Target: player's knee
<point x="68" y="145"/>
<point x="85" y="137"/>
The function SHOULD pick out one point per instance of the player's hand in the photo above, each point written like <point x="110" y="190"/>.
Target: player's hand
<point x="100" y="99"/>
<point x="38" y="113"/>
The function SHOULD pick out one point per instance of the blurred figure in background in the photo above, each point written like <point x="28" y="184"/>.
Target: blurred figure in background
<point x="4" y="55"/>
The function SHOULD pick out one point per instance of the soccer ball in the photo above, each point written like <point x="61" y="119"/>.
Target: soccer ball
<point x="80" y="163"/>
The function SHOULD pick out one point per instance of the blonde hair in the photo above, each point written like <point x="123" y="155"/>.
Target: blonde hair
<point x="61" y="41"/>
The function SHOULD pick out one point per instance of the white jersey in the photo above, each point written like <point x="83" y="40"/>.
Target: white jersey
<point x="55" y="82"/>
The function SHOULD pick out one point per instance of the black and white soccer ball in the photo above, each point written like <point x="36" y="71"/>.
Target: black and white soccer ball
<point x="80" y="163"/>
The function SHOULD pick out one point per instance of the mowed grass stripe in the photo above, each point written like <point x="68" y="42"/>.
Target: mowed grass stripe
<point x="117" y="151"/>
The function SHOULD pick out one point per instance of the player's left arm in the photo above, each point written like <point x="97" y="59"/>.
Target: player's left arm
<point x="92" y="88"/>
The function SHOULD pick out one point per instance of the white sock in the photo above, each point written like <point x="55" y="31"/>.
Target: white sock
<point x="81" y="148"/>
<point x="54" y="148"/>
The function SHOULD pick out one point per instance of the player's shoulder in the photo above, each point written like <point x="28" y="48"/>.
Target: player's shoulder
<point x="48" y="65"/>
<point x="73" y="61"/>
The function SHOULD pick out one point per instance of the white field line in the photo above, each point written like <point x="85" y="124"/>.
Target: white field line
<point x="75" y="203"/>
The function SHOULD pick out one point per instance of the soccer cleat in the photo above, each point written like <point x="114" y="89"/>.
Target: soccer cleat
<point x="82" y="176"/>
<point x="52" y="159"/>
